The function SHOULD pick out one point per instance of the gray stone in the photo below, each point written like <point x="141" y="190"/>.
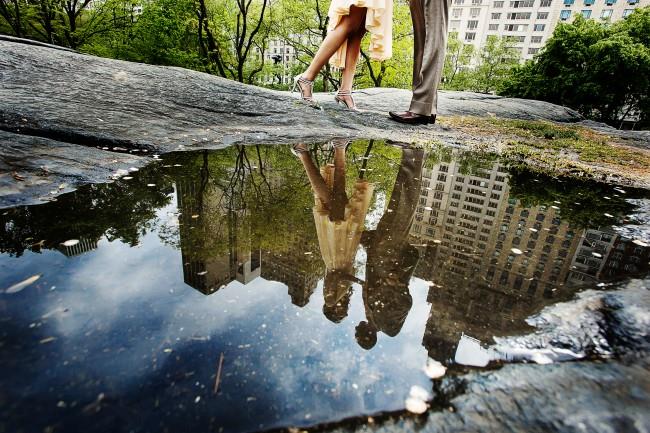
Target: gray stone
<point x="607" y="395"/>
<point x="83" y="102"/>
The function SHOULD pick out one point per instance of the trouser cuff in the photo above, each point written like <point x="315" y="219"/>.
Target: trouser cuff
<point x="422" y="108"/>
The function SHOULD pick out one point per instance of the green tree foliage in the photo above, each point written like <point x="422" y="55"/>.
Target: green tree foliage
<point x="600" y="69"/>
<point x="456" y="72"/>
<point x="494" y="63"/>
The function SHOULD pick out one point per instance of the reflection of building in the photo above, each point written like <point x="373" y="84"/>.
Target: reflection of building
<point x="299" y="272"/>
<point x="492" y="261"/>
<point x="84" y="246"/>
<point x="604" y="255"/>
<point x="213" y="249"/>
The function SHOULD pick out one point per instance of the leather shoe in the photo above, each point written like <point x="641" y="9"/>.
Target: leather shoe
<point x="412" y="118"/>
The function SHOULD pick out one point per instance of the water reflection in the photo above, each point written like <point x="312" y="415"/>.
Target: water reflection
<point x="325" y="279"/>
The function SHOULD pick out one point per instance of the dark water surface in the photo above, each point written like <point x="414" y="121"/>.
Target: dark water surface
<point x="322" y="288"/>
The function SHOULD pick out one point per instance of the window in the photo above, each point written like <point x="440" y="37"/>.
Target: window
<point x="474" y="12"/>
<point x="535" y="39"/>
<point x="496" y="15"/>
<point x="589" y="2"/>
<point x="586" y="13"/>
<point x="454" y="25"/>
<point x="533" y="50"/>
<point x="565" y="15"/>
<point x="568" y="2"/>
<point x="539" y="27"/>
<point x="477" y="2"/>
<point x="519" y="16"/>
<point x="493" y="27"/>
<point x="542" y="15"/>
<point x="472" y="25"/>
<point x="610" y="2"/>
<point x="470" y="36"/>
<point x="498" y="4"/>
<point x="456" y="12"/>
<point x="511" y="27"/>
<point x="627" y="12"/>
<point x="522" y="3"/>
<point x="545" y="4"/>
<point x="459" y="2"/>
<point x="606" y="13"/>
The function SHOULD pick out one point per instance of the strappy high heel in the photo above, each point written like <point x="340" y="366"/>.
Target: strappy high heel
<point x="298" y="82"/>
<point x="340" y="99"/>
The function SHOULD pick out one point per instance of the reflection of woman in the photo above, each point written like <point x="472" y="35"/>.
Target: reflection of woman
<point x="348" y="22"/>
<point x="339" y="223"/>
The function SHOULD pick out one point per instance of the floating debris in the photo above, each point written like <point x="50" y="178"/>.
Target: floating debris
<point x="417" y="400"/>
<point x="47" y="340"/>
<point x="127" y="178"/>
<point x="608" y="215"/>
<point x="20" y="286"/>
<point x="70" y="243"/>
<point x="516" y="251"/>
<point x="434" y="369"/>
<point x="640" y="243"/>
<point x="597" y="255"/>
<point x="202" y="273"/>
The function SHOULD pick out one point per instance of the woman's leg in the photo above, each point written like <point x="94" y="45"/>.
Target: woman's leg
<point x="317" y="182"/>
<point x="352" y="57"/>
<point x="333" y="41"/>
<point x="339" y="197"/>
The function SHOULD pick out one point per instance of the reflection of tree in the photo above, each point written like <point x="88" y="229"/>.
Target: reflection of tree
<point x="582" y="202"/>
<point x="123" y="210"/>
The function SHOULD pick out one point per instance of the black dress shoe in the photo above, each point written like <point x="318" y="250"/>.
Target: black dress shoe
<point x="412" y="118"/>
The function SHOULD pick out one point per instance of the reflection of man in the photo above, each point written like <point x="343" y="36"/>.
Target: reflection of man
<point x="391" y="259"/>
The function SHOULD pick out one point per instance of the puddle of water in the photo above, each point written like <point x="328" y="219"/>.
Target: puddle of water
<point x="305" y="288"/>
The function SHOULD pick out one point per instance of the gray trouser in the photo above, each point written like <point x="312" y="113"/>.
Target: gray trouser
<point x="430" y="19"/>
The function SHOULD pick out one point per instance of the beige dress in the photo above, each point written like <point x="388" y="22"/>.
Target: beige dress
<point x="338" y="240"/>
<point x="379" y="23"/>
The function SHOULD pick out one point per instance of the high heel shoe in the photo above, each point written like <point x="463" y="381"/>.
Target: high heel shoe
<point x="340" y="99"/>
<point x="298" y="82"/>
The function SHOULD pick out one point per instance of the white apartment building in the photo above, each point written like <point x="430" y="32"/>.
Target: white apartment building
<point x="528" y="22"/>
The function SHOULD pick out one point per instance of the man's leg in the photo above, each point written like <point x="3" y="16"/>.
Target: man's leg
<point x="435" y="15"/>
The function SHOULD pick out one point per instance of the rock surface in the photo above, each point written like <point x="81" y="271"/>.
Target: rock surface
<point x="587" y="396"/>
<point x="71" y="106"/>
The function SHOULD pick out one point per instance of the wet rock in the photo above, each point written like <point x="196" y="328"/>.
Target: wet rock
<point x="36" y="169"/>
<point x="609" y="395"/>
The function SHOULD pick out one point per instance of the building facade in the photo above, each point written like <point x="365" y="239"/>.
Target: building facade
<point x="528" y="23"/>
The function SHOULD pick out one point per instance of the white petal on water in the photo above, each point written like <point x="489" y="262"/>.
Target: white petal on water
<point x="437" y="241"/>
<point x="415" y="405"/>
<point x="151" y="184"/>
<point x="598" y="255"/>
<point x="516" y="251"/>
<point x="419" y="393"/>
<point x="127" y="178"/>
<point x="554" y="207"/>
<point x="640" y="243"/>
<point x="70" y="243"/>
<point x="132" y="169"/>
<point x="608" y="215"/>
<point x="434" y="369"/>
<point x="428" y="208"/>
<point x="202" y="273"/>
<point x="20" y="286"/>
<point x="533" y="230"/>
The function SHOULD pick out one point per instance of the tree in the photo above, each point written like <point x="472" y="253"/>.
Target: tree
<point x="494" y="61"/>
<point x="601" y="70"/>
<point x="457" y="62"/>
<point x="303" y="25"/>
<point x="11" y="11"/>
<point x="398" y="70"/>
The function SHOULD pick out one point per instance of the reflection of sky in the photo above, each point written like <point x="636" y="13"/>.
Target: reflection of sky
<point x="126" y="325"/>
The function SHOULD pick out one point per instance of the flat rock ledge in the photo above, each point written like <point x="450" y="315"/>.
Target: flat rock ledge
<point x="610" y="395"/>
<point x="64" y="115"/>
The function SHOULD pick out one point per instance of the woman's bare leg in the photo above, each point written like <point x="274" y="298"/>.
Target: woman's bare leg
<point x="333" y="41"/>
<point x="339" y="197"/>
<point x="317" y="182"/>
<point x="352" y="57"/>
